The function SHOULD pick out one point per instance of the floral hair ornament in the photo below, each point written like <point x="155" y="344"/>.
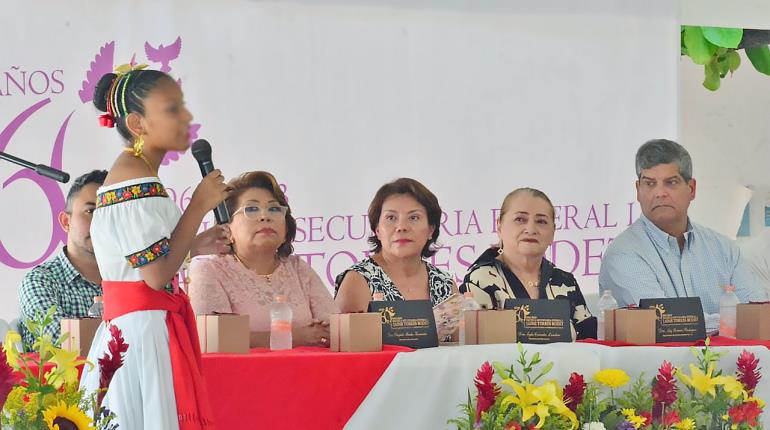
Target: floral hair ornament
<point x="116" y="96"/>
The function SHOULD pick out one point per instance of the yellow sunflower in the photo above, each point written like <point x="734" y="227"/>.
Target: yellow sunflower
<point x="61" y="417"/>
<point x="685" y="424"/>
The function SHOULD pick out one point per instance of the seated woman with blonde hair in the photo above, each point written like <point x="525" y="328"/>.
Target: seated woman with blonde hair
<point x="517" y="268"/>
<point x="262" y="267"/>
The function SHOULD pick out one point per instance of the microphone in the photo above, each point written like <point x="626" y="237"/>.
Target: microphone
<point x="50" y="172"/>
<point x="201" y="150"/>
<point x="40" y="169"/>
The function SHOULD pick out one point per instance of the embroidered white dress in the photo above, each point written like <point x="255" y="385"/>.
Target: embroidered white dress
<point x="131" y="227"/>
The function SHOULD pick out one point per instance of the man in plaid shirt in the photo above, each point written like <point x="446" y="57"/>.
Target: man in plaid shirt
<point x="71" y="280"/>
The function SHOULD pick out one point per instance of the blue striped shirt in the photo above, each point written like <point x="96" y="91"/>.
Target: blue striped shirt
<point x="646" y="262"/>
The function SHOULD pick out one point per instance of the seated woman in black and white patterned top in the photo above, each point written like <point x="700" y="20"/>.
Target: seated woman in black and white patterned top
<point x="404" y="217"/>
<point x="517" y="268"/>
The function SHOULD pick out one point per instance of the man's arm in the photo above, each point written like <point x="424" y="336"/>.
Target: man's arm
<point x="748" y="287"/>
<point x="628" y="277"/>
<point x="36" y="295"/>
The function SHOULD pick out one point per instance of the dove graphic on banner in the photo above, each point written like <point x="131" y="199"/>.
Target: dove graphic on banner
<point x="163" y="54"/>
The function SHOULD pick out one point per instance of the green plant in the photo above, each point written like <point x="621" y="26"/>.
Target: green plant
<point x="716" y="49"/>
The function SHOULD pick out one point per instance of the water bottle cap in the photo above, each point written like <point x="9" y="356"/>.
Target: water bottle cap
<point x="97" y="299"/>
<point x="729" y="288"/>
<point x="280" y="299"/>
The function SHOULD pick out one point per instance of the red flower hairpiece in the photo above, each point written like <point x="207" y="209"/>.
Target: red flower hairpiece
<point x="107" y="120"/>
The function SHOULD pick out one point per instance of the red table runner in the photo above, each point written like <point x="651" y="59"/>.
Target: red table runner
<point x="304" y="387"/>
<point x="715" y="341"/>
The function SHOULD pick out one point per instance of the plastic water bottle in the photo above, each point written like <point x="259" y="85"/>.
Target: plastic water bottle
<point x="280" y="324"/>
<point x="727" y="312"/>
<point x="606" y="303"/>
<point x="97" y="309"/>
<point x="469" y="304"/>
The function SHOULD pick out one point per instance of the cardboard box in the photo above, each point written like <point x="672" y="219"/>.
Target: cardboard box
<point x="224" y="333"/>
<point x="489" y="326"/>
<point x="630" y="325"/>
<point x="753" y="322"/>
<point x="82" y="331"/>
<point x="359" y="332"/>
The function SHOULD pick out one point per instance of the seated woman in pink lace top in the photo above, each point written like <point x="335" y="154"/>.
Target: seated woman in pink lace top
<point x="261" y="267"/>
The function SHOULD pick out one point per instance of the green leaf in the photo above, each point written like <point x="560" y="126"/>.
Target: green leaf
<point x="722" y="66"/>
<point x="612" y="419"/>
<point x="725" y="37"/>
<point x="500" y="368"/>
<point x="712" y="80"/>
<point x="698" y="48"/>
<point x="536" y="358"/>
<point x="760" y="58"/>
<point x="733" y="60"/>
<point x="682" y="48"/>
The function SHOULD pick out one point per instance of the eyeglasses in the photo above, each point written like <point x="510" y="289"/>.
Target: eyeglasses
<point x="254" y="212"/>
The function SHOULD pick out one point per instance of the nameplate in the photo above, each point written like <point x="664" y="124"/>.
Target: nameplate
<point x="407" y="323"/>
<point x="541" y="321"/>
<point x="677" y="319"/>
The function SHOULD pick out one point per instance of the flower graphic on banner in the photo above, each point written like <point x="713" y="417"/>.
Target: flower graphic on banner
<point x="104" y="62"/>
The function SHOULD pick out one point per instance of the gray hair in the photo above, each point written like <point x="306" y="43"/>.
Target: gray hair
<point x="663" y="151"/>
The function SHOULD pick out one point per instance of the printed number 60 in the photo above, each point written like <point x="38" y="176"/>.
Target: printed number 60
<point x="49" y="187"/>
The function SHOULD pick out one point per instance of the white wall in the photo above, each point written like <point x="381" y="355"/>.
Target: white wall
<point x="721" y="13"/>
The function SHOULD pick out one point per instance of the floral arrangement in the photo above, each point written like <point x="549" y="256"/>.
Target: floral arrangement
<point x="699" y="398"/>
<point x="35" y="399"/>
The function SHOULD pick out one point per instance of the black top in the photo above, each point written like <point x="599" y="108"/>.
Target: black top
<point x="440" y="283"/>
<point x="491" y="282"/>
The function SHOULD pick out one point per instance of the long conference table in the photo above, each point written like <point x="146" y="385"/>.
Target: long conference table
<point x="399" y="388"/>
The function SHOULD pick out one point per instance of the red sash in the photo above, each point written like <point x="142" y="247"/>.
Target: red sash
<point x="192" y="404"/>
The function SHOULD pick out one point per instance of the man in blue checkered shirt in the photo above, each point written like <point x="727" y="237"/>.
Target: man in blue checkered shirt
<point x="664" y="253"/>
<point x="71" y="280"/>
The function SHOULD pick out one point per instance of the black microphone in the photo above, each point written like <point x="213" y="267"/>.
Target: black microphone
<point x="41" y="169"/>
<point x="201" y="150"/>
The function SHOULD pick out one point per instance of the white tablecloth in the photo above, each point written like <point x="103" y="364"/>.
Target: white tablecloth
<point x="421" y="389"/>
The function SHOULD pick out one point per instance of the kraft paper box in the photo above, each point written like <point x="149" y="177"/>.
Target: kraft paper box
<point x="635" y="325"/>
<point x="753" y="321"/>
<point x="224" y="333"/>
<point x="359" y="332"/>
<point x="489" y="326"/>
<point x="82" y="331"/>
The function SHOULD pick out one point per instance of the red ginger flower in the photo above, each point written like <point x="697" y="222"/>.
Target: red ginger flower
<point x="748" y="372"/>
<point x="6" y="378"/>
<point x="574" y="390"/>
<point x="671" y="418"/>
<point x="111" y="361"/>
<point x="487" y="389"/>
<point x="514" y="426"/>
<point x="663" y="389"/>
<point x="745" y="412"/>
